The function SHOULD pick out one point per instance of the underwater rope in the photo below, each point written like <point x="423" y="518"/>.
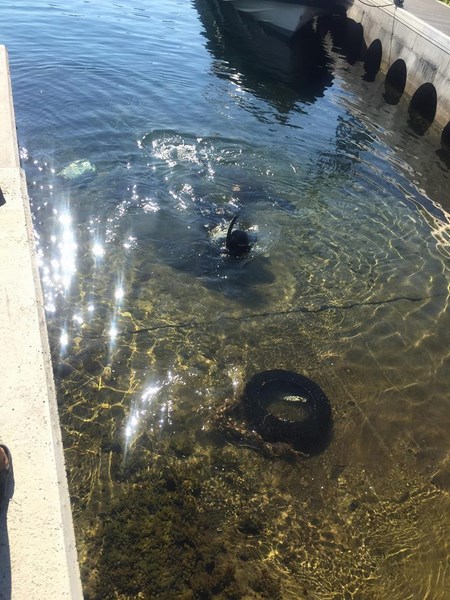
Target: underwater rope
<point x="302" y="309"/>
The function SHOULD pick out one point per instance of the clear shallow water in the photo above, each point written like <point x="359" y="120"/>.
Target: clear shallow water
<point x="154" y="330"/>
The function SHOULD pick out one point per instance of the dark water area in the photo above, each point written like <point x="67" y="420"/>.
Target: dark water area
<point x="144" y="128"/>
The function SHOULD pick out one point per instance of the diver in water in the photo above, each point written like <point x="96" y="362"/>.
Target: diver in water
<point x="238" y="241"/>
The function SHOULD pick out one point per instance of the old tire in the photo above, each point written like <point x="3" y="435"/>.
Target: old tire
<point x="283" y="406"/>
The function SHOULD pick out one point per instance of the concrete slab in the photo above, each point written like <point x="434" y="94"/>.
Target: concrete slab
<point x="432" y="12"/>
<point x="38" y="557"/>
<point x="9" y="151"/>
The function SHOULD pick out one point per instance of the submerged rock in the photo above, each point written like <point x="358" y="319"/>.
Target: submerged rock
<point x="76" y="169"/>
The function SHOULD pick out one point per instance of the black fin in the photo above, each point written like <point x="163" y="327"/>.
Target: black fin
<point x="230" y="227"/>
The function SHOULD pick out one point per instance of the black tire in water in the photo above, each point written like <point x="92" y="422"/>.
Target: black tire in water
<point x="283" y="406"/>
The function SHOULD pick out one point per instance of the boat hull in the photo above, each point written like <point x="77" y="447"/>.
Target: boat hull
<point x="286" y="17"/>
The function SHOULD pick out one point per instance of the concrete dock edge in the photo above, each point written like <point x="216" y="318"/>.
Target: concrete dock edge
<point x="424" y="49"/>
<point x="38" y="557"/>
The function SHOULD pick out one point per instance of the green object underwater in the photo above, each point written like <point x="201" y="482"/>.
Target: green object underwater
<point x="76" y="169"/>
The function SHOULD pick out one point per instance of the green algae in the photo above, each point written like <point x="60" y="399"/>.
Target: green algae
<point x="162" y="537"/>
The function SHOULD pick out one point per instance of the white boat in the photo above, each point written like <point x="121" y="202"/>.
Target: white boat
<point x="288" y="16"/>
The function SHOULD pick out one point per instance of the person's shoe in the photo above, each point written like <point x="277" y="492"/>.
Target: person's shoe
<point x="5" y="474"/>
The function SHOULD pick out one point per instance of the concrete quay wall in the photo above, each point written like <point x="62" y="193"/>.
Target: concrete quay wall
<point x="38" y="557"/>
<point x="414" y="55"/>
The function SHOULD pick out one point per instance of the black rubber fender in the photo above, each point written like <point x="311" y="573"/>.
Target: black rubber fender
<point x="308" y="427"/>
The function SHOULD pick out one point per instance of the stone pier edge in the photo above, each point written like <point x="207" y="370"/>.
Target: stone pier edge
<point x="37" y="542"/>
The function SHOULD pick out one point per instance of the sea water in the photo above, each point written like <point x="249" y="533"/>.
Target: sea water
<point x="144" y="127"/>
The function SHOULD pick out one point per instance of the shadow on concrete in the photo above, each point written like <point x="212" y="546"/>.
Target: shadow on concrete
<point x="5" y="557"/>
